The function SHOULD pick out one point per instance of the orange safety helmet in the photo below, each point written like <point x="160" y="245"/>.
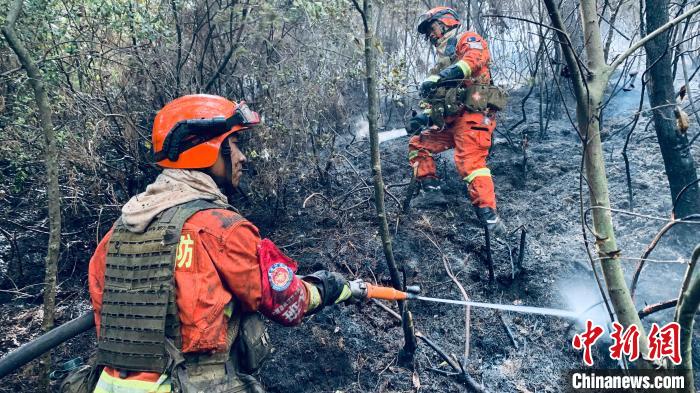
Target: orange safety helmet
<point x="445" y="15"/>
<point x="188" y="131"/>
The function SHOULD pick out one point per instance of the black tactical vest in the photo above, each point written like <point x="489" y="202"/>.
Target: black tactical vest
<point x="138" y="306"/>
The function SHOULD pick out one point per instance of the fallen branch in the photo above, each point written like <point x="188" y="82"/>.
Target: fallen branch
<point x="508" y="331"/>
<point x="512" y="261"/>
<point x="398" y="202"/>
<point x="680" y="194"/>
<point x="421" y="336"/>
<point x="388" y="186"/>
<point x="303" y="205"/>
<point x="355" y="205"/>
<point x="468" y="309"/>
<point x="354" y="170"/>
<point x="443" y="372"/>
<point x="459" y="370"/>
<point x="652" y="308"/>
<point x="352" y="191"/>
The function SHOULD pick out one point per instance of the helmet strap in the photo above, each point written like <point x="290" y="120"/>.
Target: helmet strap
<point x="443" y="30"/>
<point x="225" y="152"/>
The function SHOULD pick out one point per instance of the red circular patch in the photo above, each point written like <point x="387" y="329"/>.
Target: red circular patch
<point x="280" y="276"/>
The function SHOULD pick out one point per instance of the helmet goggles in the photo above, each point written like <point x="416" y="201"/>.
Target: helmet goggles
<point x="187" y="134"/>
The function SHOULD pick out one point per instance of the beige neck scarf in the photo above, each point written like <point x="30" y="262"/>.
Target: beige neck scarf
<point x="171" y="188"/>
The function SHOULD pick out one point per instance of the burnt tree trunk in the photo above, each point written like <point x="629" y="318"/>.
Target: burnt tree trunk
<point x="678" y="161"/>
<point x="53" y="194"/>
<point x="408" y="352"/>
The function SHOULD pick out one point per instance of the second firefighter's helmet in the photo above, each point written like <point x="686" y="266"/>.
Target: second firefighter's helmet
<point x="445" y="15"/>
<point x="188" y="131"/>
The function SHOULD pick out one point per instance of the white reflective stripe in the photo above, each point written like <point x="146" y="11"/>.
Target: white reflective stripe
<point x="110" y="384"/>
<point x="476" y="45"/>
<point x="433" y="78"/>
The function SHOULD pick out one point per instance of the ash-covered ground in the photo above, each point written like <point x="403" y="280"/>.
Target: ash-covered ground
<point x="354" y="348"/>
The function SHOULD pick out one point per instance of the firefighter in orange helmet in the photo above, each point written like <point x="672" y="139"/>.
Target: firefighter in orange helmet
<point x="463" y="61"/>
<point x="180" y="281"/>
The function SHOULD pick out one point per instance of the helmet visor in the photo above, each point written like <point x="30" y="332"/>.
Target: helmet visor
<point x="187" y="134"/>
<point x="430" y="16"/>
<point x="424" y="25"/>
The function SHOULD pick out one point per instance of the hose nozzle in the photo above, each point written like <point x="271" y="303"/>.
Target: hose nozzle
<point x="363" y="290"/>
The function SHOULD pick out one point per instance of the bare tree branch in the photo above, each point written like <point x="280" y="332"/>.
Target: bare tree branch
<point x="651" y="36"/>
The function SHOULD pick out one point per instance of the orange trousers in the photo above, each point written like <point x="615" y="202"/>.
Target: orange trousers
<point x="470" y="136"/>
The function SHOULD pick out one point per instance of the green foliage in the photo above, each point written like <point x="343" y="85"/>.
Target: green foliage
<point x="21" y="177"/>
<point x="109" y="65"/>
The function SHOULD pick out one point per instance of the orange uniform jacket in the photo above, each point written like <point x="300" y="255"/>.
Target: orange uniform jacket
<point x="468" y="133"/>
<point x="217" y="259"/>
<point x="473" y="50"/>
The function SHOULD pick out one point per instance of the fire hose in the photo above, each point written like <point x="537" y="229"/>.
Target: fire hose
<point x="360" y="290"/>
<point x="35" y="348"/>
<point x="363" y="290"/>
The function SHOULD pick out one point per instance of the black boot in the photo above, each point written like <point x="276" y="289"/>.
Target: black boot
<point x="490" y="219"/>
<point x="430" y="195"/>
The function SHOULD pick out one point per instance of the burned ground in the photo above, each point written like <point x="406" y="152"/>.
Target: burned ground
<point x="354" y="348"/>
<point x="544" y="200"/>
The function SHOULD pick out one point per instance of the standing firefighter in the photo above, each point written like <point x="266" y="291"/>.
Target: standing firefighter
<point x="459" y="104"/>
<point x="179" y="282"/>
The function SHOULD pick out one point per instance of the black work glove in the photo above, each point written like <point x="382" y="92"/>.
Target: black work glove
<point x="451" y="76"/>
<point x="419" y="123"/>
<point x="428" y="87"/>
<point x="333" y="287"/>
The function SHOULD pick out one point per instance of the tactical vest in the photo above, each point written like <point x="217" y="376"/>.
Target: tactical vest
<point x="138" y="307"/>
<point x="474" y="98"/>
<point x="477" y="97"/>
<point x="140" y="327"/>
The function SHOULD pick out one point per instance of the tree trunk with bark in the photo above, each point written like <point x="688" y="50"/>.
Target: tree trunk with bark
<point x="372" y="117"/>
<point x="688" y="302"/>
<point x="678" y="161"/>
<point x="589" y="89"/>
<point x="589" y="85"/>
<point x="51" y="163"/>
